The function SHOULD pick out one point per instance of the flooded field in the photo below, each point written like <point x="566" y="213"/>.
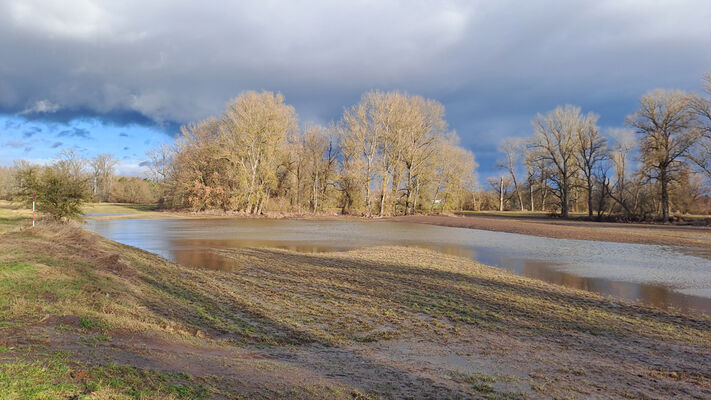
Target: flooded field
<point x="664" y="276"/>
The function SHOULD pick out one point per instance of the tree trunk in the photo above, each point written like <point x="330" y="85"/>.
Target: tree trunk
<point x="665" y="194"/>
<point x="395" y="192"/>
<point x="417" y="194"/>
<point x="367" y="195"/>
<point x="409" y="192"/>
<point x="314" y="201"/>
<point x="590" y="199"/>
<point x="382" y="195"/>
<point x="250" y="196"/>
<point x="530" y="191"/>
<point x="564" y="201"/>
<point x="298" y="187"/>
<point x="501" y="194"/>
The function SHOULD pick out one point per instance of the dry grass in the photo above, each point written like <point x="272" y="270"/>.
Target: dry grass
<point x="85" y="316"/>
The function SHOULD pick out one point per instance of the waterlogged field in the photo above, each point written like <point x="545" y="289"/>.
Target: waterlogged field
<point x="84" y="317"/>
<point x="663" y="276"/>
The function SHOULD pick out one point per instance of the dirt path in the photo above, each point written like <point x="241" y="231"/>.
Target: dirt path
<point x="692" y="236"/>
<point x="470" y="363"/>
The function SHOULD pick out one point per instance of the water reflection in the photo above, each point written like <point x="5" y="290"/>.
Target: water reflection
<point x="651" y="274"/>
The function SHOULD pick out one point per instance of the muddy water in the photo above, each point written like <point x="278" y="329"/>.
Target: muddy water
<point x="658" y="275"/>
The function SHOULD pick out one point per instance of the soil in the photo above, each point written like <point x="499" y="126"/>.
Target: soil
<point x="470" y="364"/>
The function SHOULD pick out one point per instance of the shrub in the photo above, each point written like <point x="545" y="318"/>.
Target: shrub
<point x="60" y="191"/>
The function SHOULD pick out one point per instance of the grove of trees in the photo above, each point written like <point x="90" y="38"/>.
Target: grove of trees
<point x="660" y="163"/>
<point x="391" y="153"/>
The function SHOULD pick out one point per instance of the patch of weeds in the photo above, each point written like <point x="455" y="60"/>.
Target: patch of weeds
<point x="94" y="340"/>
<point x="378" y="335"/>
<point x="91" y="324"/>
<point x="64" y="327"/>
<point x="482" y="387"/>
<point x="480" y="377"/>
<point x="628" y="395"/>
<point x="139" y="383"/>
<point x="47" y="379"/>
<point x="538" y="387"/>
<point x="504" y="396"/>
<point x="356" y="395"/>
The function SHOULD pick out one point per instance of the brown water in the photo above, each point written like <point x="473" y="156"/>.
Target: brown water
<point x="663" y="276"/>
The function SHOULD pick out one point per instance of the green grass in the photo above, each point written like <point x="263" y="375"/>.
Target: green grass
<point x="57" y="377"/>
<point x="118" y="208"/>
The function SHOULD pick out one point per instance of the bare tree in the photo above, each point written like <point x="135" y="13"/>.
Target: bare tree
<point x="254" y="128"/>
<point x="555" y="140"/>
<point x="453" y="172"/>
<point x="667" y="129"/>
<point x="361" y="136"/>
<point x="103" y="167"/>
<point x="591" y="151"/>
<point x="513" y="149"/>
<point x="160" y="161"/>
<point x="700" y="154"/>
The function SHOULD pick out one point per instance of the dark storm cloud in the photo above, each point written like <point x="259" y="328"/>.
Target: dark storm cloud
<point x="493" y="65"/>
<point x="56" y="144"/>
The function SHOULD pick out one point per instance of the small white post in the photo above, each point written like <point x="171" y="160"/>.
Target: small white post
<point x="34" y="195"/>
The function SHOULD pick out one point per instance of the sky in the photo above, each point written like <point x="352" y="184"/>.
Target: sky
<point x="121" y="77"/>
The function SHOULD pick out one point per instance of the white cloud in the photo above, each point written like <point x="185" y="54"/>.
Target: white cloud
<point x="76" y="19"/>
<point x="132" y="168"/>
<point x="41" y="106"/>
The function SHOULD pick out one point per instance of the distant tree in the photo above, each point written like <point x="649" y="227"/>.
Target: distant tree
<point x="700" y="154"/>
<point x="623" y="143"/>
<point x="7" y="175"/>
<point x="591" y="153"/>
<point x="424" y="129"/>
<point x="667" y="129"/>
<point x="253" y="131"/>
<point x="134" y="190"/>
<point x="555" y="141"/>
<point x="320" y="161"/>
<point x="513" y="149"/>
<point x="453" y="170"/>
<point x="103" y="168"/>
<point x="361" y="135"/>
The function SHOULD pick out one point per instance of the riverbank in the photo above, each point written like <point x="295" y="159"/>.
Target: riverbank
<point x="665" y="235"/>
<point x="84" y="316"/>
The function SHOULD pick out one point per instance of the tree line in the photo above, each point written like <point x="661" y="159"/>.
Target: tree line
<point x="392" y="153"/>
<point x="63" y="186"/>
<point x="661" y="160"/>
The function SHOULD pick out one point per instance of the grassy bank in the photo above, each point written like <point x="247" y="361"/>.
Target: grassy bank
<point x="83" y="317"/>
